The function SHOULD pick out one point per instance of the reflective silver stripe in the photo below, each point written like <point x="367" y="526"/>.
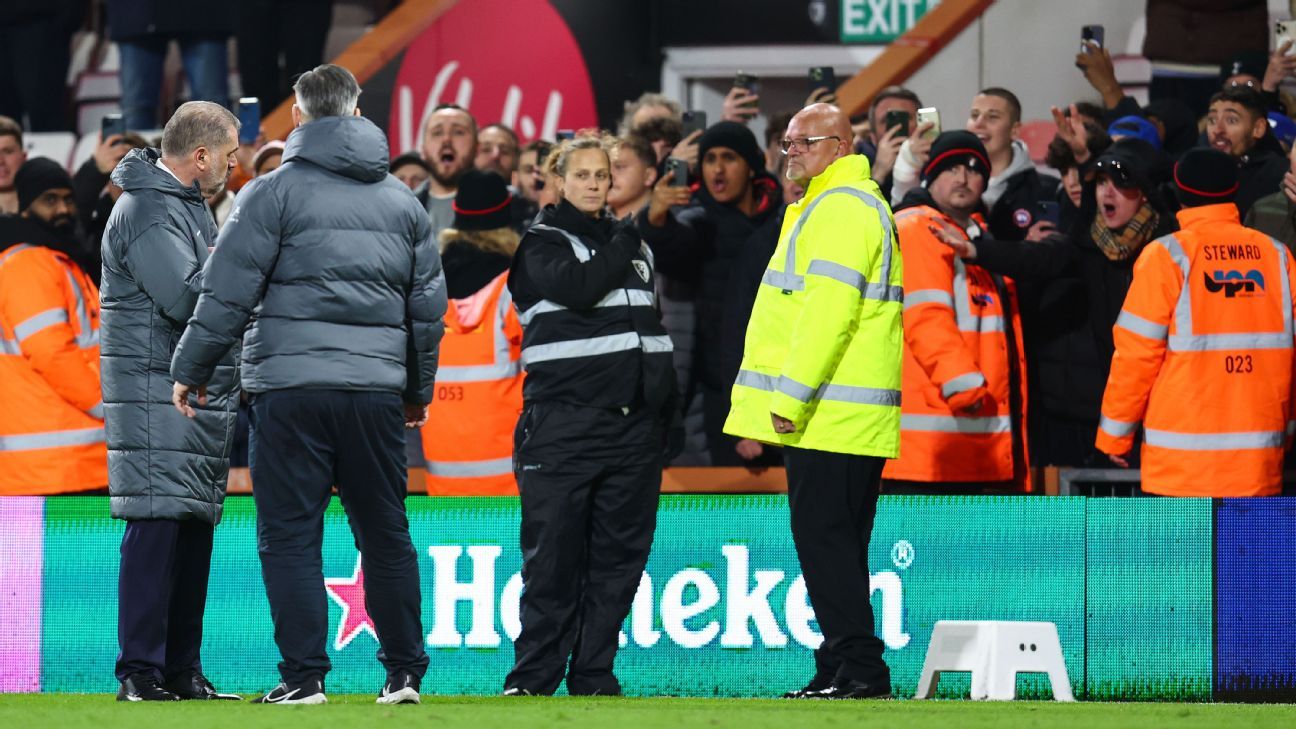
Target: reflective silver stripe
<point x="967" y="320"/>
<point x="835" y="393"/>
<point x="478" y="373"/>
<point x="962" y="383"/>
<point x="794" y="389"/>
<point x="469" y="469"/>
<point x="855" y="279"/>
<point x="784" y="281"/>
<point x="581" y="250"/>
<point x="1116" y="428"/>
<point x="56" y="439"/>
<point x="1214" y="342"/>
<point x="953" y="424"/>
<point x="97" y="411"/>
<point x="928" y="296"/>
<point x="656" y="344"/>
<point x="616" y="297"/>
<point x="860" y="395"/>
<point x="37" y="322"/>
<point x="86" y="334"/>
<point x="991" y="323"/>
<point x="788" y="280"/>
<point x="1141" y="326"/>
<point x="1214" y="441"/>
<point x="9" y="346"/>
<point x="580" y="348"/>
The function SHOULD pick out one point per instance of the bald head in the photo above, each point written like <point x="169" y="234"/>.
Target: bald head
<point x="819" y="135"/>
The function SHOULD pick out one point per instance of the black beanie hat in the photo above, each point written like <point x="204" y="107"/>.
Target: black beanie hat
<point x="956" y="148"/>
<point x="734" y="136"/>
<point x="37" y="176"/>
<point x="1251" y="63"/>
<point x="1206" y="176"/>
<point x="482" y="202"/>
<point x="1132" y="163"/>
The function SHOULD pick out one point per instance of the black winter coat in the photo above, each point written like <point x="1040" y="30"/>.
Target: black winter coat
<point x="1018" y="208"/>
<point x="161" y="465"/>
<point x="334" y="262"/>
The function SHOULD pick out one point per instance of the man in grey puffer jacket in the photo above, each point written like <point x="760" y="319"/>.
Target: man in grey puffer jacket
<point x="166" y="474"/>
<point x="334" y="261"/>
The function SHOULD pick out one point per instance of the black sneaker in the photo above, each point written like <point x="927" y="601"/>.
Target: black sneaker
<point x="817" y="684"/>
<point x="517" y="691"/>
<point x="309" y="691"/>
<point x="144" y="687"/>
<point x="850" y="689"/>
<point x="401" y="688"/>
<point x="194" y="685"/>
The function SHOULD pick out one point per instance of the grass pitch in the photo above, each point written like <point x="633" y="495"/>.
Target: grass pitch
<point x="103" y="712"/>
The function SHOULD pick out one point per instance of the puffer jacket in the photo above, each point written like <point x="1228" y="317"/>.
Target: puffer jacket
<point x="334" y="262"/>
<point x="161" y="465"/>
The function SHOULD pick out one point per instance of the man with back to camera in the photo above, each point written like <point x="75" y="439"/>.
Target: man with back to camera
<point x="166" y="474"/>
<point x="338" y="260"/>
<point x="826" y="386"/>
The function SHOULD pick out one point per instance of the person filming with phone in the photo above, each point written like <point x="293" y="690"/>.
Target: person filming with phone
<point x="697" y="235"/>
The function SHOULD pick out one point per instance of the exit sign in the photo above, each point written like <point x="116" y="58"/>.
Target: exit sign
<point x="880" y="21"/>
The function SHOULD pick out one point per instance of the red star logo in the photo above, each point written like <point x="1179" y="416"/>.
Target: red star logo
<point x="349" y="594"/>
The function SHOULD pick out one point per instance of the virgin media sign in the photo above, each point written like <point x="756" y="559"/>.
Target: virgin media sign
<point x="510" y="61"/>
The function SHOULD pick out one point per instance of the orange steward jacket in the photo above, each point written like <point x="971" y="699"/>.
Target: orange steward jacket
<point x="1204" y="360"/>
<point x="51" y="408"/>
<point x="964" y="397"/>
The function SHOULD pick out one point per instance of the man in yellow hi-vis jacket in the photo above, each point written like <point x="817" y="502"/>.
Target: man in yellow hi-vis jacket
<point x="821" y="377"/>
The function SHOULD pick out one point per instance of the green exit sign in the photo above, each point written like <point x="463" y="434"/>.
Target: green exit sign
<point x="880" y="21"/>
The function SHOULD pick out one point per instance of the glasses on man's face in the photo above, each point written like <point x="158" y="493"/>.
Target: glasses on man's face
<point x="802" y="144"/>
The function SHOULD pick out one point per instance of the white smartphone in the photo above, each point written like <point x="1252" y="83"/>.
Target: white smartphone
<point x="930" y="114"/>
<point x="1284" y="31"/>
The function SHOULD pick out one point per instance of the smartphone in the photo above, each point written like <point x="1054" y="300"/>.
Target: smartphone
<point x="565" y="134"/>
<point x="1285" y="30"/>
<point x="1091" y="36"/>
<point x="678" y="170"/>
<point x="822" y="77"/>
<point x="1050" y="211"/>
<point x="113" y="124"/>
<point x="694" y="121"/>
<point x="930" y="114"/>
<point x="895" y="118"/>
<point x="249" y="116"/>
<point x="749" y="82"/>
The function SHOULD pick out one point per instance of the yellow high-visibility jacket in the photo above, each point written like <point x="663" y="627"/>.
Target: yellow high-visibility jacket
<point x="824" y="342"/>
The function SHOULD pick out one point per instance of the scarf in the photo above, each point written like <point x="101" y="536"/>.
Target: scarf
<point x="1119" y="245"/>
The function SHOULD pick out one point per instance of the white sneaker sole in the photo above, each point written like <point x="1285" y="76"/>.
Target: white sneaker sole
<point x="404" y="696"/>
<point x="306" y="700"/>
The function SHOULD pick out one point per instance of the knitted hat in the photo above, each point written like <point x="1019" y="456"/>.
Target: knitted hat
<point x="1137" y="127"/>
<point x="956" y="148"/>
<point x="482" y="202"/>
<point x="37" y="176"/>
<point x="1250" y="63"/>
<point x="1206" y="176"/>
<point x="735" y="136"/>
<point x="1132" y="163"/>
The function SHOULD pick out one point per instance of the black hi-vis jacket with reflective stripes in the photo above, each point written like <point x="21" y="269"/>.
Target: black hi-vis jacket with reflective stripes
<point x="591" y="330"/>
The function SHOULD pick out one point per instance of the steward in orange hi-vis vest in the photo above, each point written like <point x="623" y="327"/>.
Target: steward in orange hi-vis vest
<point x="468" y="438"/>
<point x="964" y="398"/>
<point x="1204" y="349"/>
<point x="51" y="408"/>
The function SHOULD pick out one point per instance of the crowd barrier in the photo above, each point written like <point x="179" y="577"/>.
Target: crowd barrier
<point x="1154" y="599"/>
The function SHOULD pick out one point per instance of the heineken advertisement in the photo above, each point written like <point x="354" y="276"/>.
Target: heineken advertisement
<point x="721" y="610"/>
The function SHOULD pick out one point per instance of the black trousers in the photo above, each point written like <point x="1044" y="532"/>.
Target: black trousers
<point x="589" y="479"/>
<point x="303" y="443"/>
<point x="161" y="595"/>
<point x="267" y="29"/>
<point x="833" y="499"/>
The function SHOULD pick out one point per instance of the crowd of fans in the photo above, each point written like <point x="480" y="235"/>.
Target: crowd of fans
<point x="710" y="206"/>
